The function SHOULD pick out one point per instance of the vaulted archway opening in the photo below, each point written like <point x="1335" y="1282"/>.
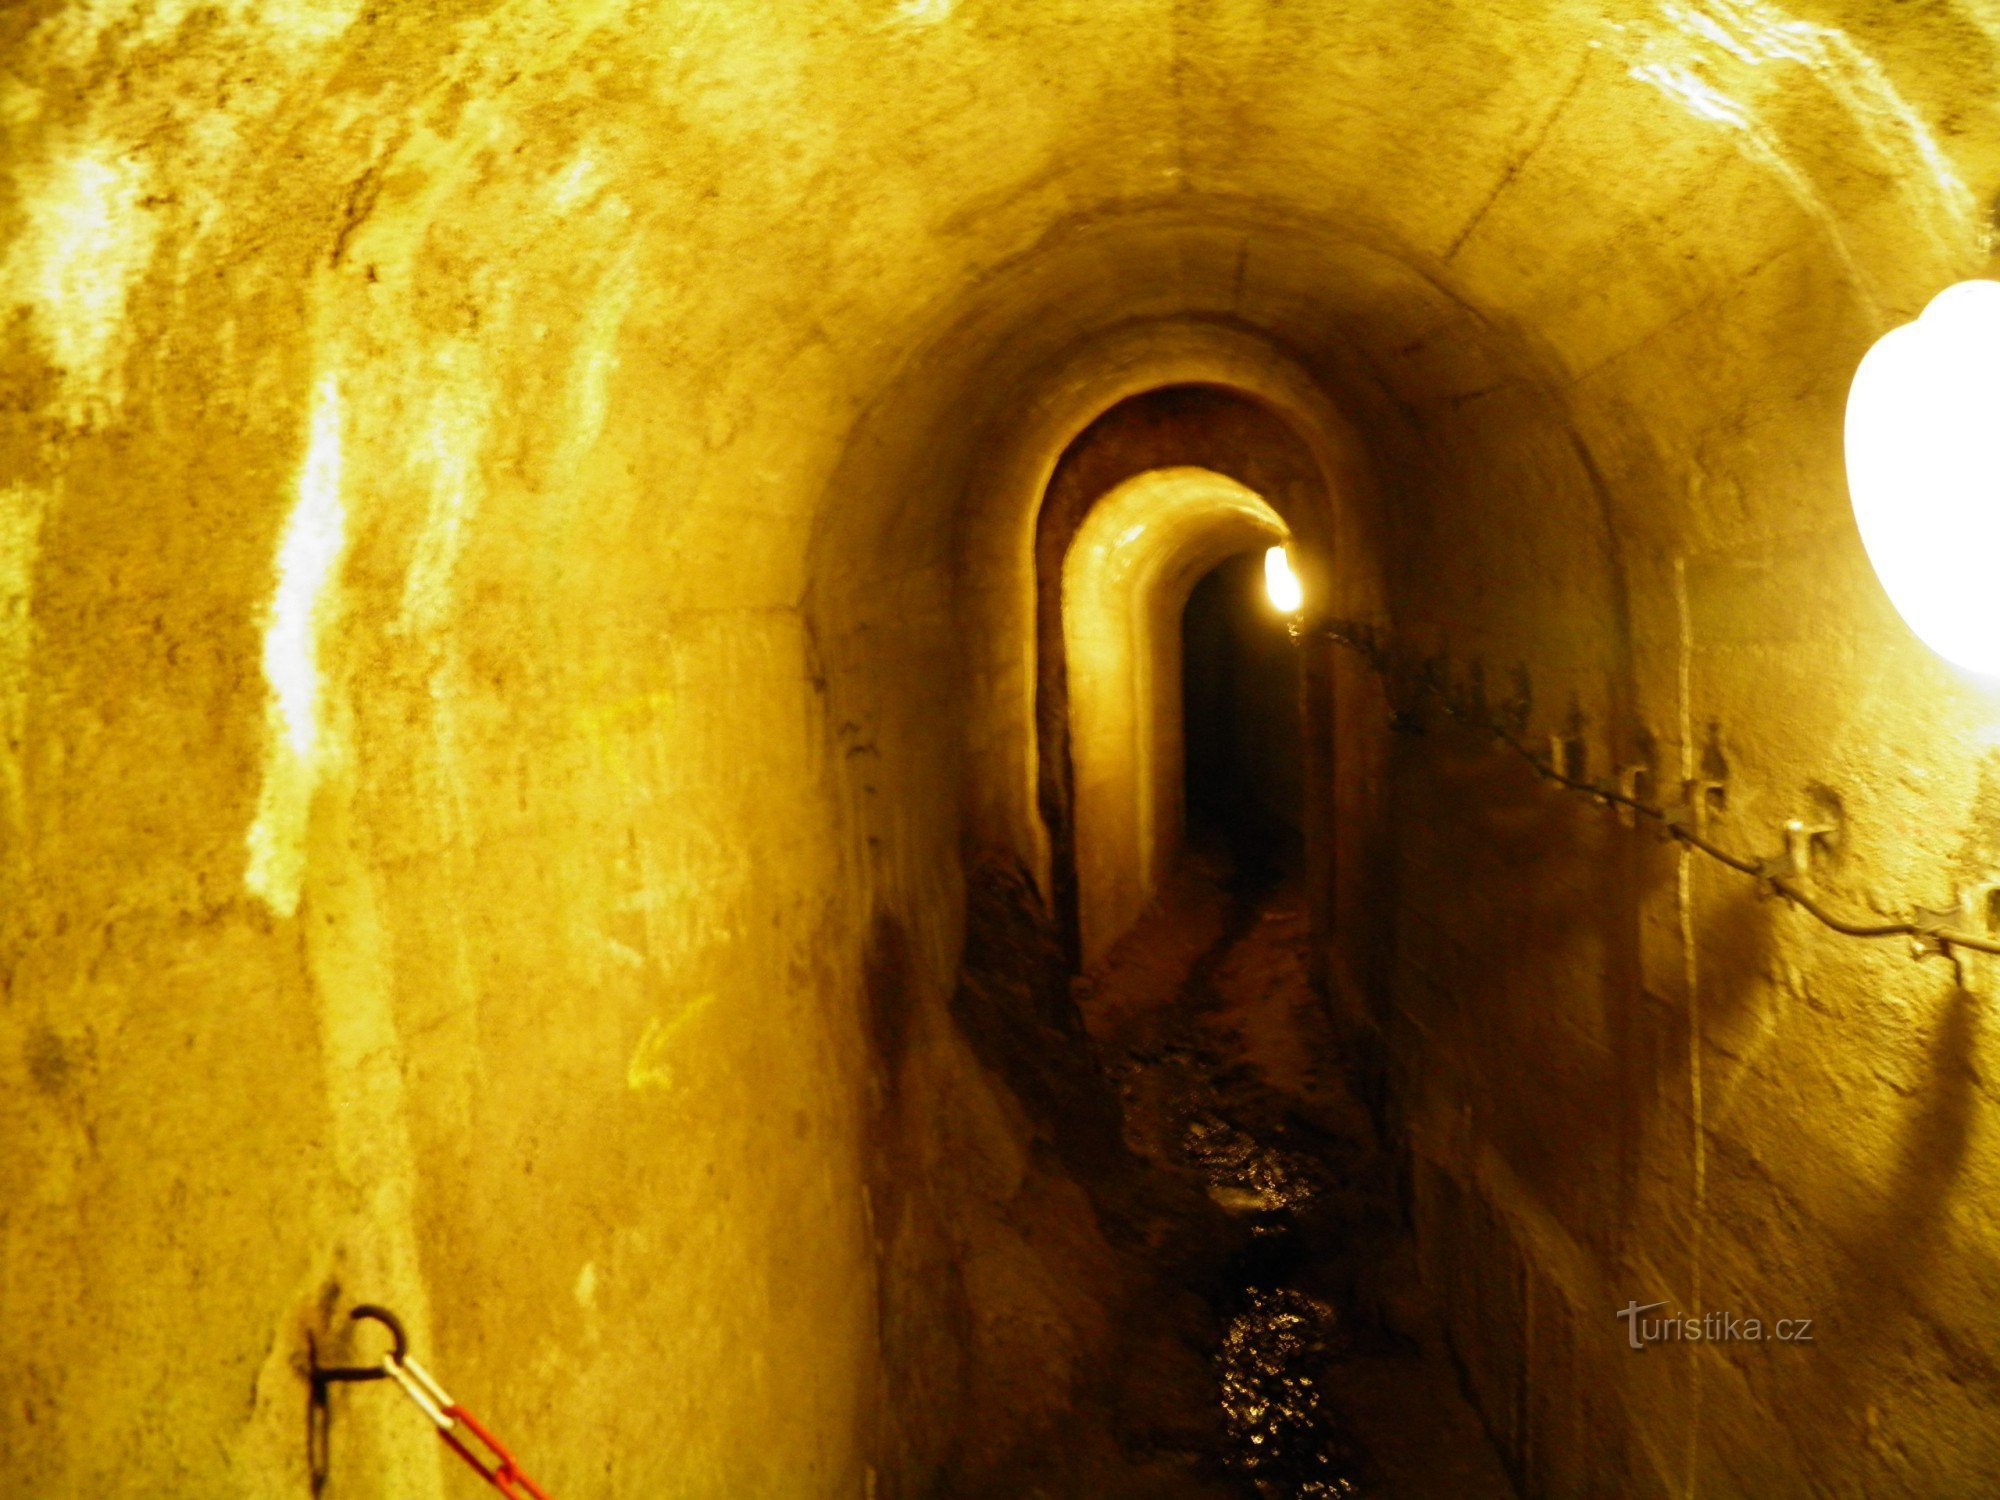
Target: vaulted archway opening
<point x="1127" y="583"/>
<point x="1141" y="505"/>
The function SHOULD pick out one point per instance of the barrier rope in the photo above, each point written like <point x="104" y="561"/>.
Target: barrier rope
<point x="1782" y="875"/>
<point x="446" y="1416"/>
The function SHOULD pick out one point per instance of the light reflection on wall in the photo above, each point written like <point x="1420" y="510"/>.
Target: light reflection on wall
<point x="1722" y="60"/>
<point x="308" y="556"/>
<point x="86" y="242"/>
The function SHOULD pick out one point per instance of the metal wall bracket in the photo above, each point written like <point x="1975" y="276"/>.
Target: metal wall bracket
<point x="324" y="1377"/>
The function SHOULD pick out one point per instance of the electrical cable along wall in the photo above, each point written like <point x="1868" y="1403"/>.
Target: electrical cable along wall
<point x="1782" y="874"/>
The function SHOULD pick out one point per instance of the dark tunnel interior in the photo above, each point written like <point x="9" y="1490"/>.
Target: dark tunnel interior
<point x="1241" y="723"/>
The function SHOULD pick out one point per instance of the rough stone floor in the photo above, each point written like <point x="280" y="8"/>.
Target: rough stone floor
<point x="1324" y="1375"/>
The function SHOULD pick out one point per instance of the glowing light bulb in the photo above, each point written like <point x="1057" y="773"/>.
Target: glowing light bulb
<point x="1281" y="583"/>
<point x="1923" y="471"/>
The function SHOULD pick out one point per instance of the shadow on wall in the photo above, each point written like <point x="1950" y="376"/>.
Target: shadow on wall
<point x="1006" y="1283"/>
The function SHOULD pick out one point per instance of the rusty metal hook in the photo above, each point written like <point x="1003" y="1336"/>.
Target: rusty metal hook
<point x="447" y="1416"/>
<point x="323" y="1376"/>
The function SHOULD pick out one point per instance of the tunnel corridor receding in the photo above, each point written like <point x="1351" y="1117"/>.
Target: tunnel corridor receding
<point x="1126" y="584"/>
<point x="537" y="689"/>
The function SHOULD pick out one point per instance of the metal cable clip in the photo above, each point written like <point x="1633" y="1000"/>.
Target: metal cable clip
<point x="325" y="1375"/>
<point x="1931" y="934"/>
<point x="1631" y="782"/>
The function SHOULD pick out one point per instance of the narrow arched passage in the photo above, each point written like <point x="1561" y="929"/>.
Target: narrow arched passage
<point x="1221" y="431"/>
<point x="1126" y="586"/>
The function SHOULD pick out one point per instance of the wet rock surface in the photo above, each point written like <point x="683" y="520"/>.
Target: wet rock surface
<point x="1281" y="1432"/>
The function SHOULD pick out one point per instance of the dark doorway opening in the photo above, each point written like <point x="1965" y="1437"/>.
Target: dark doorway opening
<point x="1241" y="727"/>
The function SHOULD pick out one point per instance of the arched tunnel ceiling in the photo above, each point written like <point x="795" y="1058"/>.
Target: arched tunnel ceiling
<point x="1427" y="201"/>
<point x="1131" y="563"/>
<point x="667" y="387"/>
<point x="766" y="290"/>
<point x="775" y="292"/>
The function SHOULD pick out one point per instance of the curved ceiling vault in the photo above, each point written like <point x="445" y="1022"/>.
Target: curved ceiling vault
<point x="516" y="592"/>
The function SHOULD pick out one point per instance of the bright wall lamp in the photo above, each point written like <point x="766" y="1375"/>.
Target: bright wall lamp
<point x="1281" y="584"/>
<point x="1923" y="471"/>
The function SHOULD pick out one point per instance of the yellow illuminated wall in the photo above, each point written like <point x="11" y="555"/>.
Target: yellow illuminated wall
<point x="517" y="619"/>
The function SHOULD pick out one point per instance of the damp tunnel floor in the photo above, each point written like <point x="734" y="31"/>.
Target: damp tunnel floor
<point x="1313" y="1367"/>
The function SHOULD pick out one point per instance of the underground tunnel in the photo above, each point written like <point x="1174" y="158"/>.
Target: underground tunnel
<point x="901" y="748"/>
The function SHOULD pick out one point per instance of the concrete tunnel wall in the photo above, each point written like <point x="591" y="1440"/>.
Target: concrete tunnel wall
<point x="518" y="599"/>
